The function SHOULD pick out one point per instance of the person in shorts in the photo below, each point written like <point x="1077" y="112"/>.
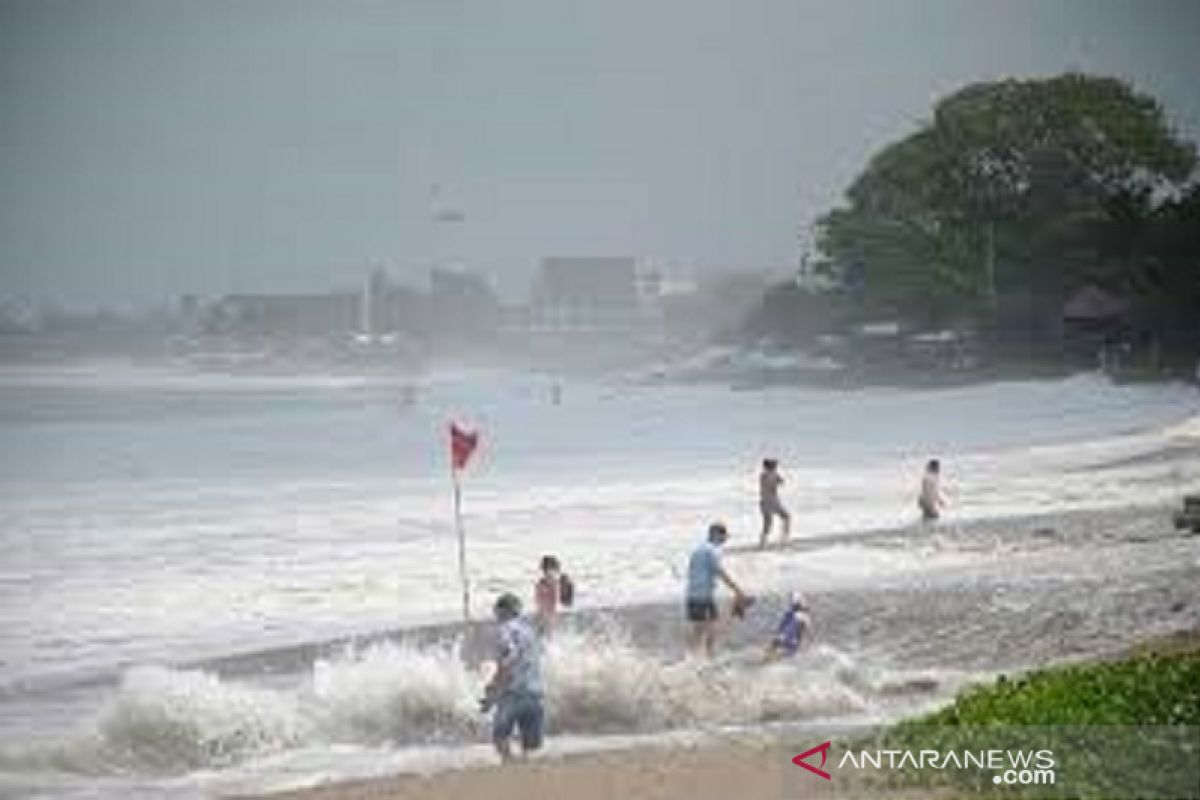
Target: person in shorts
<point x="704" y="570"/>
<point x="515" y="691"/>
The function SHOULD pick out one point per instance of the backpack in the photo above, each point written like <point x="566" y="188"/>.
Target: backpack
<point x="566" y="591"/>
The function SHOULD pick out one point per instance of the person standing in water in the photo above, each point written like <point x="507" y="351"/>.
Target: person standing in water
<point x="931" y="500"/>
<point x="769" y="481"/>
<point x="553" y="589"/>
<point x="515" y="690"/>
<point x="704" y="569"/>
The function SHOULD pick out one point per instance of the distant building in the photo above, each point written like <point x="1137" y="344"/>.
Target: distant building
<point x="286" y="315"/>
<point x="593" y="294"/>
<point x="1094" y="323"/>
<point x="1091" y="304"/>
<point x="462" y="304"/>
<point x="389" y="308"/>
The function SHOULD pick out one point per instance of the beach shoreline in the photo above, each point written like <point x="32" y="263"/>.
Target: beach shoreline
<point x="1022" y="615"/>
<point x="646" y="621"/>
<point x="757" y="765"/>
<point x="743" y="767"/>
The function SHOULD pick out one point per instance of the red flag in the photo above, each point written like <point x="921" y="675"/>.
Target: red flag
<point x="462" y="445"/>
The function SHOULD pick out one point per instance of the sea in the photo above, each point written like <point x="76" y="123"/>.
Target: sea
<point x="210" y="584"/>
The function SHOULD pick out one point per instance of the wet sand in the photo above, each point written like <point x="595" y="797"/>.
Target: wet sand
<point x="730" y="771"/>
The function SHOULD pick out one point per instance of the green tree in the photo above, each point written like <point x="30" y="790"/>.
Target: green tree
<point x="1166" y="285"/>
<point x="1015" y="192"/>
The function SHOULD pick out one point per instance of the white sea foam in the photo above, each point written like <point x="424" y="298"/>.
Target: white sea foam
<point x="392" y="693"/>
<point x="164" y="721"/>
<point x="599" y="683"/>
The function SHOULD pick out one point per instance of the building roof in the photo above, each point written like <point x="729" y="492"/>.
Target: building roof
<point x="597" y="282"/>
<point x="1091" y="303"/>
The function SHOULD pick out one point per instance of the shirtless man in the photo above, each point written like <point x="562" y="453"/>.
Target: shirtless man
<point x="769" y="481"/>
<point x="931" y="501"/>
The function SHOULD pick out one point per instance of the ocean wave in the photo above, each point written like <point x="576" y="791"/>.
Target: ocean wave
<point x="394" y="693"/>
<point x="599" y="683"/>
<point x="168" y="721"/>
<point x="163" y="721"/>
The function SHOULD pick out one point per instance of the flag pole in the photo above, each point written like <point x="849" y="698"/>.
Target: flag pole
<point x="462" y="547"/>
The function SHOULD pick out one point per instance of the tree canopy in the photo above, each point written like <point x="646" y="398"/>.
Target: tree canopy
<point x="1018" y="189"/>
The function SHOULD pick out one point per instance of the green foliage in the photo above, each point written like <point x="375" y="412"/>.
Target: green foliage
<point x="1143" y="691"/>
<point x="1116" y="729"/>
<point x="1026" y="186"/>
<point x="1168" y="282"/>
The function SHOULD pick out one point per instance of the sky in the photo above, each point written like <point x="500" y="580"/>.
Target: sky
<point x="151" y="148"/>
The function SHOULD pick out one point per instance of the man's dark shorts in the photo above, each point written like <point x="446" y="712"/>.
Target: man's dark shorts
<point x="522" y="711"/>
<point x="701" y="610"/>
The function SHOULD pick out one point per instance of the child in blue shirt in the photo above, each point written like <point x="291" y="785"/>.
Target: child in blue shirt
<point x="790" y="631"/>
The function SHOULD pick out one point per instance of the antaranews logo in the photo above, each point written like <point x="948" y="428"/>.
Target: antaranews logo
<point x="1021" y="767"/>
<point x="823" y="749"/>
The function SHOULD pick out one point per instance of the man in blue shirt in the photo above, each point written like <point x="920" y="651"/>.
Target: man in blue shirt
<point x="704" y="569"/>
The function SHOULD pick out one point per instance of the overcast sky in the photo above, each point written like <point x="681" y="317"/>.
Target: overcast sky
<point x="154" y="147"/>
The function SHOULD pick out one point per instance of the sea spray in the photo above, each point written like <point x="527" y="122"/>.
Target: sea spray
<point x="395" y="693"/>
<point x="166" y="721"/>
<point x="597" y="682"/>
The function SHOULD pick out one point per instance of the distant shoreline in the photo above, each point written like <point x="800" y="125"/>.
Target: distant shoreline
<point x="849" y="378"/>
<point x="735" y="369"/>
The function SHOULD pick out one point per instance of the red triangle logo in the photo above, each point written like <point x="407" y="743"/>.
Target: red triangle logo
<point x="823" y="749"/>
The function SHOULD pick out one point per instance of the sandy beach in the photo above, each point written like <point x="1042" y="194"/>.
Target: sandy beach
<point x="720" y="771"/>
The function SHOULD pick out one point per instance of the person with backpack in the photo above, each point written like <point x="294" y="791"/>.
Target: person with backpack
<point x="552" y="591"/>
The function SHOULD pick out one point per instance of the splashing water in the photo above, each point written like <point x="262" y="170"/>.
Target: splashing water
<point x="165" y="721"/>
<point x="599" y="683"/>
<point x="395" y="693"/>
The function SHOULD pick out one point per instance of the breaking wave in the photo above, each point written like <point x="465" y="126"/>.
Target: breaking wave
<point x="165" y="721"/>
<point x="394" y="693"/>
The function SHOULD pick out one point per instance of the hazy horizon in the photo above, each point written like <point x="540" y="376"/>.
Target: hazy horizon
<point x="153" y="149"/>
